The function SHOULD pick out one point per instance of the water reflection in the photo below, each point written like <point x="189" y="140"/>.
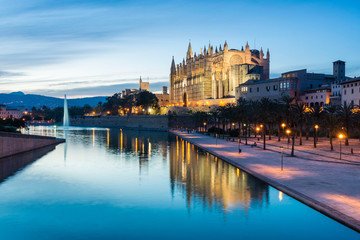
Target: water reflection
<point x="121" y="184"/>
<point x="13" y="164"/>
<point x="202" y="177"/>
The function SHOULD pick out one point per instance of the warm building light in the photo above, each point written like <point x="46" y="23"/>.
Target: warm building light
<point x="108" y="112"/>
<point x="261" y="125"/>
<point x="25" y="112"/>
<point x="93" y="113"/>
<point x="204" y="123"/>
<point x="233" y="124"/>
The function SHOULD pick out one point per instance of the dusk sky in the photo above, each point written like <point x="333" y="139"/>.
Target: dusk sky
<point x="96" y="48"/>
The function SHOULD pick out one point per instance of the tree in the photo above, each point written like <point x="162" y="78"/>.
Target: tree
<point x="346" y="116"/>
<point x="331" y="122"/>
<point x="201" y="118"/>
<point x="146" y="100"/>
<point x="316" y="113"/>
<point x="300" y="110"/>
<point x="264" y="114"/>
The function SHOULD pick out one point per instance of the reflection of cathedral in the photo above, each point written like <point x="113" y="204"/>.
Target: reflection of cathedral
<point x="212" y="76"/>
<point x="218" y="184"/>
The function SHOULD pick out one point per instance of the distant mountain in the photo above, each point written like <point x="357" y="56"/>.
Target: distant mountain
<point x="19" y="100"/>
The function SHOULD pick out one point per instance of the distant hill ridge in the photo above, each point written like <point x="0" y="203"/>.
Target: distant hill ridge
<point x="20" y="100"/>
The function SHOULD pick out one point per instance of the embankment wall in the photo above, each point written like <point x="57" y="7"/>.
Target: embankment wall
<point x="142" y="122"/>
<point x="13" y="143"/>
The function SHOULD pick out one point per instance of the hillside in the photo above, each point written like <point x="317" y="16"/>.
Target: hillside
<point x="20" y="100"/>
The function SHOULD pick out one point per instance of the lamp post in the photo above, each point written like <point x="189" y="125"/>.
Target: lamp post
<point x="315" y="137"/>
<point x="257" y="130"/>
<point x="245" y="134"/>
<point x="205" y="126"/>
<point x="340" y="137"/>
<point x="288" y="131"/>
<point x="283" y="125"/>
<point x="282" y="157"/>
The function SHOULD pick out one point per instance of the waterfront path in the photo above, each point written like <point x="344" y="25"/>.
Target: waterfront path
<point x="319" y="179"/>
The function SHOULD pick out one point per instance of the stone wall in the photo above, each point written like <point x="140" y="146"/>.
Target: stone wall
<point x="142" y="122"/>
<point x="13" y="143"/>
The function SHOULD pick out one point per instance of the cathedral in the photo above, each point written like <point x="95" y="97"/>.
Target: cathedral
<point x="210" y="78"/>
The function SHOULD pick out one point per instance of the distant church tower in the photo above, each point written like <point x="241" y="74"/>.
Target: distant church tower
<point x="143" y="86"/>
<point x="339" y="70"/>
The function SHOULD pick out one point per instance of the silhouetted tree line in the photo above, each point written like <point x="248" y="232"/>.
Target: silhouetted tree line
<point x="46" y="114"/>
<point x="11" y="125"/>
<point x="144" y="100"/>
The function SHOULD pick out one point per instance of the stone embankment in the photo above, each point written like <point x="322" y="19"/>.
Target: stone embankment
<point x="13" y="143"/>
<point x="331" y="187"/>
<point x="142" y="122"/>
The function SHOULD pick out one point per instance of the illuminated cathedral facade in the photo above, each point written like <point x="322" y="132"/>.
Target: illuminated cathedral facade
<point x="210" y="78"/>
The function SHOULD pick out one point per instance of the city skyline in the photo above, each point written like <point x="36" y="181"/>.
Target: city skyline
<point x="91" y="48"/>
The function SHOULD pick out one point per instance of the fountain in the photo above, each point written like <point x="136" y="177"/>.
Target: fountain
<point x="66" y="114"/>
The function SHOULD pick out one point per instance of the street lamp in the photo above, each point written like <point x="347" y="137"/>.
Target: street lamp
<point x="315" y="137"/>
<point x="257" y="130"/>
<point x="288" y="131"/>
<point x="283" y="125"/>
<point x="341" y="136"/>
<point x="205" y="126"/>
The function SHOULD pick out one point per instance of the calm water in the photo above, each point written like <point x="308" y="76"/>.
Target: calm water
<point x="112" y="184"/>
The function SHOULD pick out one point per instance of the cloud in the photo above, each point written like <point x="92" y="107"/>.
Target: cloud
<point x="10" y="74"/>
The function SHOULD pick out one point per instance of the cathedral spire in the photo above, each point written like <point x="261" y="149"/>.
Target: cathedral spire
<point x="247" y="48"/>
<point x="267" y="54"/>
<point x="216" y="51"/>
<point x="220" y="49"/>
<point x="225" y="46"/>
<point x="173" y="68"/>
<point x="205" y="50"/>
<point x="189" y="53"/>
<point x="261" y="54"/>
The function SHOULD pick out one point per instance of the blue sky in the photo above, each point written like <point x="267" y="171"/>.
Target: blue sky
<point x="91" y="48"/>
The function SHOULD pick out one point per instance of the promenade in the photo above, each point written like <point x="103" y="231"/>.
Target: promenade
<point x="317" y="178"/>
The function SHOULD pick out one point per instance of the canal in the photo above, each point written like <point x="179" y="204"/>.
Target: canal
<point x="120" y="184"/>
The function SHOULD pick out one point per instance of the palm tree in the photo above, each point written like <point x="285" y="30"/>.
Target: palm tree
<point x="240" y="114"/>
<point x="346" y="115"/>
<point x="264" y="106"/>
<point x="300" y="110"/>
<point x="288" y="102"/>
<point x="279" y="113"/>
<point x="316" y="113"/>
<point x="215" y="113"/>
<point x="331" y="120"/>
<point x="357" y="119"/>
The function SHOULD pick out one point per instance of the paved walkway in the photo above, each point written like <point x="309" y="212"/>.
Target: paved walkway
<point x="322" y="181"/>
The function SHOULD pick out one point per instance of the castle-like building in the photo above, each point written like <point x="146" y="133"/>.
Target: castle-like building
<point x="211" y="77"/>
